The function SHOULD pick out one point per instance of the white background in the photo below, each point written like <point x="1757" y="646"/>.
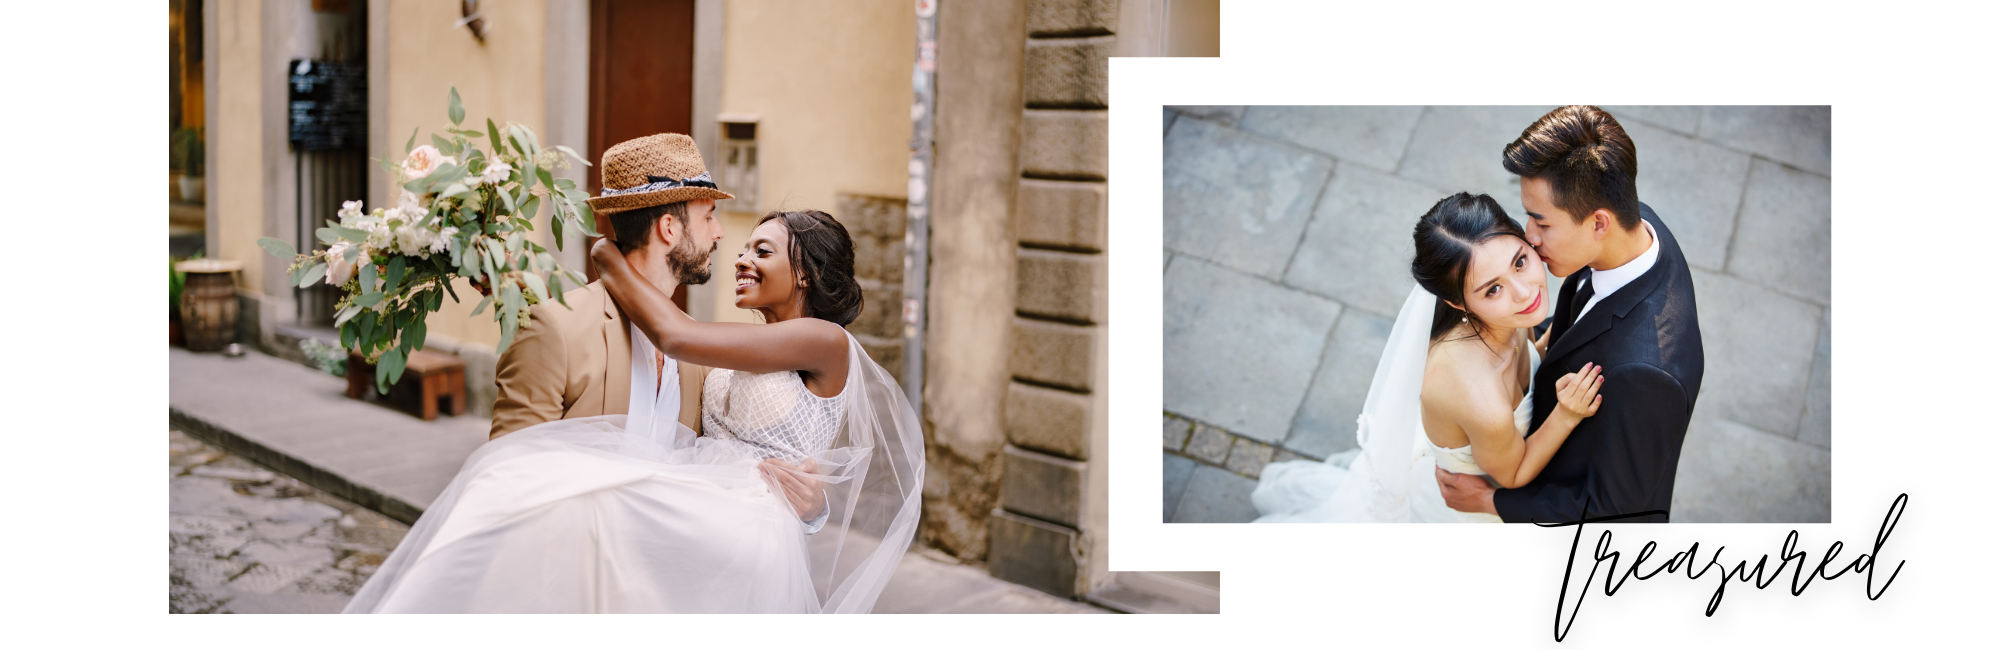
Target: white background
<point x="1914" y="288"/>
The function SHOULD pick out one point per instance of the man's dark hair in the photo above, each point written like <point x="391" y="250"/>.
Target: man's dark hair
<point x="1588" y="160"/>
<point x="629" y="229"/>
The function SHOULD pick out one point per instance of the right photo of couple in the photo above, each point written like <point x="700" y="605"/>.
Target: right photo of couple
<point x="1497" y="314"/>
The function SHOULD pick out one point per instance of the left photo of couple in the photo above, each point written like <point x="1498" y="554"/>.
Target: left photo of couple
<point x="584" y="306"/>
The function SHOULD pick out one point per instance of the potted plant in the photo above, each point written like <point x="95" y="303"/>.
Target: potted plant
<point x="190" y="155"/>
<point x="174" y="283"/>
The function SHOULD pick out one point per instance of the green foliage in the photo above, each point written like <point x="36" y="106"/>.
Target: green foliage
<point x="187" y="151"/>
<point x="480" y="224"/>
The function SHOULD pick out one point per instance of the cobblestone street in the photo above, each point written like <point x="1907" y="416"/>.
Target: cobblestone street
<point x="248" y="540"/>
<point x="1287" y="232"/>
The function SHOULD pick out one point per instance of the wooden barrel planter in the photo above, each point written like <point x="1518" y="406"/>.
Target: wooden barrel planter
<point x="208" y="304"/>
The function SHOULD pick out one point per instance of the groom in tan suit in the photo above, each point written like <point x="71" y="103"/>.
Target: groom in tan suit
<point x="577" y="362"/>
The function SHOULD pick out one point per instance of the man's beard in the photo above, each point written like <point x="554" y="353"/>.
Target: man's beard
<point x="688" y="264"/>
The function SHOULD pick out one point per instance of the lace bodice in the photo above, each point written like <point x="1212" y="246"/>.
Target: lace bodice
<point x="1459" y="459"/>
<point x="769" y="415"/>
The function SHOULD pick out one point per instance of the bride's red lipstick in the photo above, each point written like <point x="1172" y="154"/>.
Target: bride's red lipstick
<point x="1537" y="305"/>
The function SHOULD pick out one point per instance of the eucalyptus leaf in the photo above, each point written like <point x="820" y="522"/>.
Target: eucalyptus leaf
<point x="585" y="218"/>
<point x="443" y="145"/>
<point x="529" y="209"/>
<point x="345" y="314"/>
<point x="277" y="248"/>
<point x="514" y="241"/>
<point x="416" y="333"/>
<point x="457" y="109"/>
<point x="368" y="278"/>
<point x="455" y="190"/>
<point x="509" y="317"/>
<point x="556" y="227"/>
<point x="412" y="144"/>
<point x="534" y="283"/>
<point x="548" y="180"/>
<point x="396" y="269"/>
<point x="572" y="154"/>
<point x="312" y="275"/>
<point x="482" y="306"/>
<point x="369" y="299"/>
<point x="556" y="287"/>
<point x="493" y="133"/>
<point x="565" y="184"/>
<point x="348" y="334"/>
<point x="351" y="235"/>
<point x="389" y="370"/>
<point x="327" y="235"/>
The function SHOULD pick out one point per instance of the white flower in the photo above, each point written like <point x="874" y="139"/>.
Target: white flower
<point x="496" y="173"/>
<point x="411" y="240"/>
<point x="410" y="203"/>
<point x="379" y="236"/>
<point x="443" y="240"/>
<point x="422" y="161"/>
<point x="349" y="210"/>
<point x="338" y="269"/>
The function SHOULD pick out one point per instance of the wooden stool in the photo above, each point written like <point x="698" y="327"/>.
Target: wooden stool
<point x="434" y="375"/>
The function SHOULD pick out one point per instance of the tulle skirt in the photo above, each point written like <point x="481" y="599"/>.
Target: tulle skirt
<point x="1336" y="491"/>
<point x="577" y="516"/>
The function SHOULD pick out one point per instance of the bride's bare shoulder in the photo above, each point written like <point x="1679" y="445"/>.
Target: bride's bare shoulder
<point x="1457" y="380"/>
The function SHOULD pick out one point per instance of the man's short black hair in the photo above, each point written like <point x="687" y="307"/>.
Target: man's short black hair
<point x="1588" y="160"/>
<point x="631" y="229"/>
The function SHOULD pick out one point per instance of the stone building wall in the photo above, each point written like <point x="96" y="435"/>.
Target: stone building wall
<point x="1041" y="532"/>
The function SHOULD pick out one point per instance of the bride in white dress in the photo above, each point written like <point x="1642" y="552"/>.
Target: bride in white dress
<point x="1451" y="389"/>
<point x="801" y="496"/>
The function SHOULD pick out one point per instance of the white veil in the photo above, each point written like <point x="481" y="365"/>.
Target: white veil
<point x="1391" y="422"/>
<point x="875" y="477"/>
<point x="1376" y="486"/>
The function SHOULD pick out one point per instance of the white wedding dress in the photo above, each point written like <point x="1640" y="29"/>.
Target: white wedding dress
<point x="1390" y="479"/>
<point x="635" y="514"/>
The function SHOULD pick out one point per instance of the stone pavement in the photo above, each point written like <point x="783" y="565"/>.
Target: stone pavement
<point x="243" y="539"/>
<point x="1287" y="232"/>
<point x="302" y="538"/>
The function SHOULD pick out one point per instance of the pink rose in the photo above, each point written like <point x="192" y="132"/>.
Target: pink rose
<point x="422" y="161"/>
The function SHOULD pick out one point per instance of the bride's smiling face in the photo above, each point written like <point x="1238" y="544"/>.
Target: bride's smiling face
<point x="764" y="275"/>
<point x="1506" y="285"/>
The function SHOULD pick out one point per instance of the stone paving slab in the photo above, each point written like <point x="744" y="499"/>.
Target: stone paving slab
<point x="1358" y="248"/>
<point x="1215" y="496"/>
<point x="1800" y="136"/>
<point x="1370" y="135"/>
<point x="1239" y="350"/>
<point x="1681" y="119"/>
<point x="927" y="583"/>
<point x="1758" y="348"/>
<point x="1816" y="428"/>
<point x="1224" y="115"/>
<point x="1694" y="186"/>
<point x="1176" y="470"/>
<point x="1734" y="473"/>
<point x="1457" y="149"/>
<point x="1786" y="210"/>
<point x="1237" y="200"/>
<point x="1325" y="422"/>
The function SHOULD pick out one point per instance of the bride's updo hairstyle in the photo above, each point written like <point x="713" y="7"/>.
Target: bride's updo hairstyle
<point x="1445" y="237"/>
<point x="823" y="254"/>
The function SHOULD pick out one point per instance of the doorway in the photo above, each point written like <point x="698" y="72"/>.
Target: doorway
<point x="641" y="80"/>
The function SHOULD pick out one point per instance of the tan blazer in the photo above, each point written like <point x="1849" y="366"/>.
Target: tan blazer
<point x="574" y="363"/>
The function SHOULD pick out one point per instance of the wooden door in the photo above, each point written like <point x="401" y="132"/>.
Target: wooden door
<point x="641" y="80"/>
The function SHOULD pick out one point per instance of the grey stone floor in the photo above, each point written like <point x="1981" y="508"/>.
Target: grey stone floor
<point x="1287" y="232"/>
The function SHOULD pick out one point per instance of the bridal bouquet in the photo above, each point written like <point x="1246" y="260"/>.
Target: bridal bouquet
<point x="462" y="212"/>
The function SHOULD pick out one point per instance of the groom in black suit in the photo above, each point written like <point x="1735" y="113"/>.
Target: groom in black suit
<point x="1627" y="304"/>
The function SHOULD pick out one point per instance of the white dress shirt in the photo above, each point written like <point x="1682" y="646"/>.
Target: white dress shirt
<point x="1609" y="281"/>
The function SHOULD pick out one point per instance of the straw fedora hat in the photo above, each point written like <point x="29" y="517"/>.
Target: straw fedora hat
<point x="653" y="170"/>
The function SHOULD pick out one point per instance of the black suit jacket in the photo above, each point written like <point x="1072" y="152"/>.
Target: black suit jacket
<point x="1621" y="460"/>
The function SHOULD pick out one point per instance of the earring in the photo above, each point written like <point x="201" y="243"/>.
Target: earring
<point x="1463" y="319"/>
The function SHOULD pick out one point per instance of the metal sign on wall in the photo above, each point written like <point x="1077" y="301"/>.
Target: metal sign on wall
<point x="329" y="105"/>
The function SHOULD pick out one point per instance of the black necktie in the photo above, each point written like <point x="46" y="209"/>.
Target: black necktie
<point x="1581" y="299"/>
